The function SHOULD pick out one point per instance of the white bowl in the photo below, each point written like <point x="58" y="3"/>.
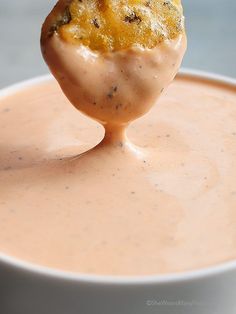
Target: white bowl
<point x="31" y="289"/>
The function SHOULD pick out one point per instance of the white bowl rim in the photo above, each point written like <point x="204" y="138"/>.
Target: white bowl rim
<point x="207" y="272"/>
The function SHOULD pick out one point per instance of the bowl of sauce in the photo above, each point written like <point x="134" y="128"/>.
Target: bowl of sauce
<point x="117" y="214"/>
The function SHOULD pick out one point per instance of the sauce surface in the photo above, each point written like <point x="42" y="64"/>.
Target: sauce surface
<point x="163" y="204"/>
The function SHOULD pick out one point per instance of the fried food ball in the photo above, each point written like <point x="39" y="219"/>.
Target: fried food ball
<point x="114" y="58"/>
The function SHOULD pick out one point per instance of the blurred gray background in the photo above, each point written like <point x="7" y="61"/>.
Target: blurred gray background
<point x="211" y="28"/>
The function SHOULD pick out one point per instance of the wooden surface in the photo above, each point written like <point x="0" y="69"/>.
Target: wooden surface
<point x="211" y="27"/>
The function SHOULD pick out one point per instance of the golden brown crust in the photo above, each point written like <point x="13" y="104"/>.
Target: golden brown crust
<point x="108" y="25"/>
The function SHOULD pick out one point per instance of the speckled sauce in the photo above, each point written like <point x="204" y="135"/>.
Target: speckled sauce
<point x="163" y="204"/>
<point x="113" y="88"/>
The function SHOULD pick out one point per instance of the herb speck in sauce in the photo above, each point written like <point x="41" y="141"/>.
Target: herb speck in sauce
<point x="112" y="91"/>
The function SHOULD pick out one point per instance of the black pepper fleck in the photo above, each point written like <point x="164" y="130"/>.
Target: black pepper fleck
<point x="133" y="18"/>
<point x="167" y="3"/>
<point x="65" y="19"/>
<point x="118" y="106"/>
<point x="112" y="91"/>
<point x="95" y="23"/>
<point x="6" y="110"/>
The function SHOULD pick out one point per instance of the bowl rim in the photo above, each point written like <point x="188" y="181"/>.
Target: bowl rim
<point x="190" y="275"/>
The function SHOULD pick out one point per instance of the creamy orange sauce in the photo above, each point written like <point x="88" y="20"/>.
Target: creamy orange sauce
<point x="117" y="87"/>
<point x="165" y="203"/>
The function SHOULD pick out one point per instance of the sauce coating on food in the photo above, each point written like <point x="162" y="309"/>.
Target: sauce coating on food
<point x="118" y="87"/>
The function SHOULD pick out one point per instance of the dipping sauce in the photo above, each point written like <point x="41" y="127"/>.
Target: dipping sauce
<point x="162" y="202"/>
